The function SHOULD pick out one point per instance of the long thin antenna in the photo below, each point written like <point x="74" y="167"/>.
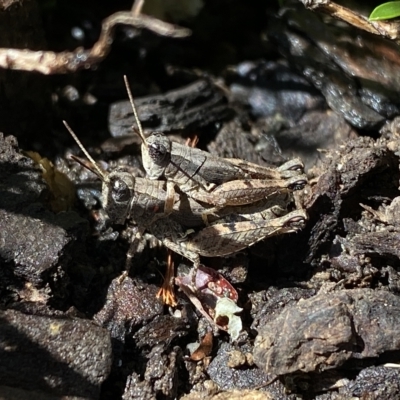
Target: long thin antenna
<point x="85" y="152"/>
<point x="140" y="132"/>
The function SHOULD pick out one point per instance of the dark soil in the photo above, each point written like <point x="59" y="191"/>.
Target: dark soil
<point x="320" y="307"/>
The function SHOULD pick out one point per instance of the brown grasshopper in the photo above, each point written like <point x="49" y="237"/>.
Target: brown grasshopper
<point x="121" y="202"/>
<point x="144" y="202"/>
<point x="211" y="179"/>
<point x="222" y="239"/>
<point x="125" y="196"/>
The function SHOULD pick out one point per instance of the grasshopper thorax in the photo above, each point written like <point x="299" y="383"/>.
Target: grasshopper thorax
<point x="117" y="194"/>
<point x="156" y="154"/>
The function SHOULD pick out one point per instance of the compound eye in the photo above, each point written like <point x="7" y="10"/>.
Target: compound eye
<point x="120" y="192"/>
<point x="157" y="152"/>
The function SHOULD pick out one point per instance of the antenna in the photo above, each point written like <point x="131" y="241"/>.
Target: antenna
<point x="140" y="132"/>
<point x="85" y="152"/>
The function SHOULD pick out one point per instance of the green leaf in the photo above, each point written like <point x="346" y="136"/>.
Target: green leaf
<point x="386" y="11"/>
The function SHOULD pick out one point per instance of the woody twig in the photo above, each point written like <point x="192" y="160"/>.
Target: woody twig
<point x="49" y="62"/>
<point x="387" y="29"/>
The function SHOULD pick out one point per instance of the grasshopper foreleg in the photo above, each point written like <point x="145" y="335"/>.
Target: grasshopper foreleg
<point x="135" y="238"/>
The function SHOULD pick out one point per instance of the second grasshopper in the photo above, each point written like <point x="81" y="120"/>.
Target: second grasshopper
<point x="210" y="179"/>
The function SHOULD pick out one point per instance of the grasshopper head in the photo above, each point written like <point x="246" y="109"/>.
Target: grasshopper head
<point x="156" y="149"/>
<point x="156" y="154"/>
<point x="117" y="195"/>
<point x="118" y="186"/>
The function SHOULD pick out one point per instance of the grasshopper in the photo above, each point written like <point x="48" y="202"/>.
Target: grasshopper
<point x="222" y="239"/>
<point x="121" y="202"/>
<point x="144" y="202"/>
<point x="214" y="180"/>
<point x="125" y="196"/>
